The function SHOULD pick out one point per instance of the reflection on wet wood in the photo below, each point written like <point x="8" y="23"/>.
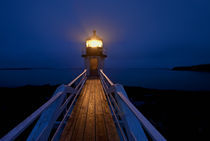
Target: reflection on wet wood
<point x="91" y="117"/>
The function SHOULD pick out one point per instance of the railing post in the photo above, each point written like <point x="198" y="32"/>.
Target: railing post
<point x="61" y="125"/>
<point x="133" y="127"/>
<point x="42" y="129"/>
<point x="47" y="113"/>
<point x="151" y="130"/>
<point x="134" y="122"/>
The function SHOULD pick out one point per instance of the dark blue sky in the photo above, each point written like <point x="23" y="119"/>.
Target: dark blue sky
<point x="136" y="33"/>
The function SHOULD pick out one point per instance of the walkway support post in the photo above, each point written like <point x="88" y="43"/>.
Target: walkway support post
<point x="49" y="112"/>
<point x="134" y="122"/>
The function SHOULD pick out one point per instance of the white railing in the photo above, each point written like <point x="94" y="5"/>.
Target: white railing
<point x="134" y="122"/>
<point x="49" y="112"/>
<point x="124" y="112"/>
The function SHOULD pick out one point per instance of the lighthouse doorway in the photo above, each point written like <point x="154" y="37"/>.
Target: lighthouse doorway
<point x="93" y="66"/>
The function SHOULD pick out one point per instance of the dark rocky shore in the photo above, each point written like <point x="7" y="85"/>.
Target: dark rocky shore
<point x="203" y="68"/>
<point x="178" y="115"/>
<point x="18" y="103"/>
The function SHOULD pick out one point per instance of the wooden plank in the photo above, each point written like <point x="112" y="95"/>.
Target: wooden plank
<point x="101" y="134"/>
<point x="91" y="117"/>
<point x="109" y="122"/>
<point x="69" y="128"/>
<point x="82" y="116"/>
<point x="89" y="133"/>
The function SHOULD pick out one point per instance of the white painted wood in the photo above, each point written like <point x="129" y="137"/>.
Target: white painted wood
<point x="152" y="131"/>
<point x="133" y="119"/>
<point x="54" y="106"/>
<point x="61" y="125"/>
<point x="23" y="125"/>
<point x="122" y="134"/>
<point x="104" y="75"/>
<point x="43" y="127"/>
<point x="79" y="76"/>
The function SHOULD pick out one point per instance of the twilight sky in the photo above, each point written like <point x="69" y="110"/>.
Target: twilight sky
<point x="136" y="33"/>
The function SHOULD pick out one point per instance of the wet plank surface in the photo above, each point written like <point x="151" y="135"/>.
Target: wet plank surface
<point x="91" y="117"/>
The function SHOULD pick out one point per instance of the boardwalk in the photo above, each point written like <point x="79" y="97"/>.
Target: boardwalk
<point x="91" y="117"/>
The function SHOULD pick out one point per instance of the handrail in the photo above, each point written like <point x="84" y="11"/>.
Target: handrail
<point x="16" y="131"/>
<point x="152" y="131"/>
<point x="73" y="81"/>
<point x="24" y="124"/>
<point x="114" y="114"/>
<point x="104" y="75"/>
<point x="66" y="115"/>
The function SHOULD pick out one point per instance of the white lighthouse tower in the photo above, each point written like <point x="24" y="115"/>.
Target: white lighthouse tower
<point x="94" y="55"/>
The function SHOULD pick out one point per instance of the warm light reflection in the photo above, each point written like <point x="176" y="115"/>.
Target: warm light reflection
<point x="94" y="43"/>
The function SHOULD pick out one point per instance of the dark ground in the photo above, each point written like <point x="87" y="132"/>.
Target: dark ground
<point x="18" y="103"/>
<point x="178" y="115"/>
<point x="201" y="68"/>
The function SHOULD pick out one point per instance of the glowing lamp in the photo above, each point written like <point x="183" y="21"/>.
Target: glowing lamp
<point x="94" y="41"/>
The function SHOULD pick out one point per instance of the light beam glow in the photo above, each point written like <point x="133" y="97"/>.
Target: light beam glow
<point x="94" y="43"/>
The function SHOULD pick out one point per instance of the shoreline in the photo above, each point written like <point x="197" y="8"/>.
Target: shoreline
<point x="198" y="68"/>
<point x="176" y="114"/>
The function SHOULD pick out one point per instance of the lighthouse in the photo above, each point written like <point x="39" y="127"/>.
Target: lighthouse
<point x="94" y="55"/>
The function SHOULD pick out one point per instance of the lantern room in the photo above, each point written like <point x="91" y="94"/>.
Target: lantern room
<point x="94" y="41"/>
<point x="94" y="45"/>
<point x="94" y="54"/>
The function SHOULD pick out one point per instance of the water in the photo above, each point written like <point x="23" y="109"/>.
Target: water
<point x="15" y="78"/>
<point x="148" y="78"/>
<point x="161" y="78"/>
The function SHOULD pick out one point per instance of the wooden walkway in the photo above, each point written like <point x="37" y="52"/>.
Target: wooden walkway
<point x="91" y="117"/>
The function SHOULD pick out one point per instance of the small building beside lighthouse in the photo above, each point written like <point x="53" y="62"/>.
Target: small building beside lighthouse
<point x="94" y="55"/>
